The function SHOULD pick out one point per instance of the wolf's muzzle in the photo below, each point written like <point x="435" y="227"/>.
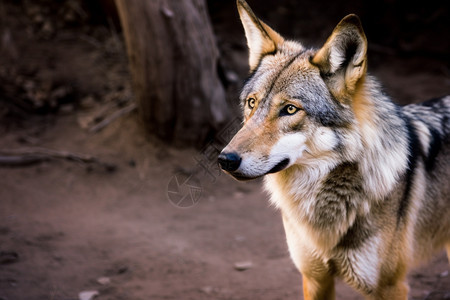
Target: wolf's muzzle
<point x="229" y="161"/>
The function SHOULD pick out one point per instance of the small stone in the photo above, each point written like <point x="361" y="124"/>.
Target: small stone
<point x="243" y="265"/>
<point x="238" y="195"/>
<point x="239" y="238"/>
<point x="104" y="280"/>
<point x="87" y="295"/>
<point x="444" y="274"/>
<point x="207" y="289"/>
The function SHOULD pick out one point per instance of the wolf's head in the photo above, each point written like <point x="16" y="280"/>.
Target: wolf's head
<point x="296" y="101"/>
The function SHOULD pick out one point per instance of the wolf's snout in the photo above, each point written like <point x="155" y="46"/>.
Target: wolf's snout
<point x="229" y="161"/>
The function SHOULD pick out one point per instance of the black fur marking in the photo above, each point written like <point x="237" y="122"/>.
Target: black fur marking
<point x="432" y="102"/>
<point x="436" y="142"/>
<point x="445" y="124"/>
<point x="413" y="156"/>
<point x="356" y="235"/>
<point x="433" y="149"/>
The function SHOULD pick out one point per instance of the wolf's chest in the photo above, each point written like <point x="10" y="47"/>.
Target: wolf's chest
<point x="324" y="201"/>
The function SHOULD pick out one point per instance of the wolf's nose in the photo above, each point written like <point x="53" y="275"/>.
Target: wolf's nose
<point x="229" y="161"/>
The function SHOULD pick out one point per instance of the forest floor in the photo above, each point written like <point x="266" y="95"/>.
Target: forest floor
<point x="118" y="226"/>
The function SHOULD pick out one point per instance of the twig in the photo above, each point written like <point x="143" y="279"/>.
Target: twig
<point x="47" y="153"/>
<point x="29" y="156"/>
<point x="23" y="160"/>
<point x="105" y="122"/>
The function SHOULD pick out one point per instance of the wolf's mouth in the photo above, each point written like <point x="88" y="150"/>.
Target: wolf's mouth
<point x="280" y="166"/>
<point x="241" y="177"/>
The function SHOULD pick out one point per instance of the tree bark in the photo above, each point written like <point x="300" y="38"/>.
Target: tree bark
<point x="173" y="61"/>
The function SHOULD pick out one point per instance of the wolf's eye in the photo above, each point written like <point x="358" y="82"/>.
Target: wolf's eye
<point x="289" y="110"/>
<point x="251" y="102"/>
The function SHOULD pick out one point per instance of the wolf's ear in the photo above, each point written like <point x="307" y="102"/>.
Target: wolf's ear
<point x="343" y="59"/>
<point x="261" y="39"/>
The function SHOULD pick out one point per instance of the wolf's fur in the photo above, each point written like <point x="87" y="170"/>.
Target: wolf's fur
<point x="362" y="184"/>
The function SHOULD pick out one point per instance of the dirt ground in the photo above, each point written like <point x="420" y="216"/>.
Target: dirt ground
<point x="121" y="226"/>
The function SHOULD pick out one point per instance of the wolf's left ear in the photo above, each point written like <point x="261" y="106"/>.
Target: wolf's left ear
<point x="343" y="59"/>
<point x="261" y="39"/>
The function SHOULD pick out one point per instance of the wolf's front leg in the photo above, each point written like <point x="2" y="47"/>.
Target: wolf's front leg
<point x="395" y="291"/>
<point x="318" y="281"/>
<point x="322" y="288"/>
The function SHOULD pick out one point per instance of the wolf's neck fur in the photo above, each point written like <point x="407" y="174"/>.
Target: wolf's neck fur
<point x="384" y="139"/>
<point x="328" y="194"/>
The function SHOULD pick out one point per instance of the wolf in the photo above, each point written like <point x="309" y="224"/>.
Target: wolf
<point x="362" y="183"/>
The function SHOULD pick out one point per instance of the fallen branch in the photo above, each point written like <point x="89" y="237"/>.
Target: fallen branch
<point x="22" y="160"/>
<point x="117" y="114"/>
<point x="28" y="156"/>
<point x="49" y="153"/>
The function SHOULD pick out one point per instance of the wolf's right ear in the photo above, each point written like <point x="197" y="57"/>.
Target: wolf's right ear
<point x="261" y="39"/>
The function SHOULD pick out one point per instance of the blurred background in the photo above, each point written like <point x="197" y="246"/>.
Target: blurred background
<point x="111" y="117"/>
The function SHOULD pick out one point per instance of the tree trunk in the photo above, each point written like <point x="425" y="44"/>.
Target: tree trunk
<point x="173" y="61"/>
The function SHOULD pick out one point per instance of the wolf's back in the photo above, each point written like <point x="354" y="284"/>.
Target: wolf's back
<point x="431" y="120"/>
